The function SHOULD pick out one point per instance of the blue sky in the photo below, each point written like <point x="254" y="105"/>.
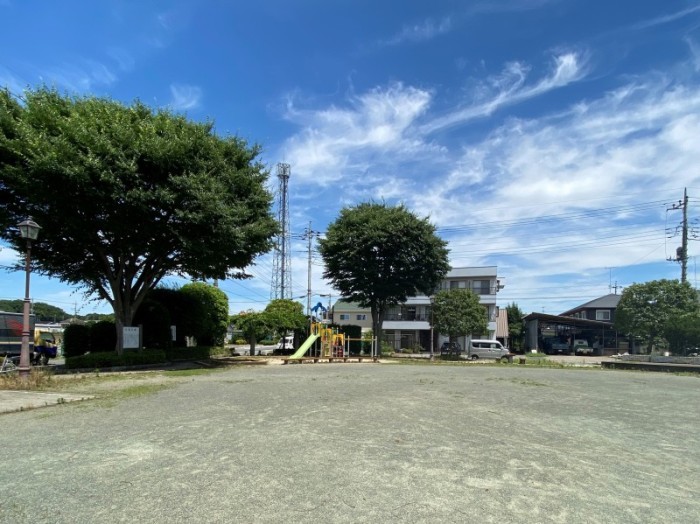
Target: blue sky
<point x="547" y="137"/>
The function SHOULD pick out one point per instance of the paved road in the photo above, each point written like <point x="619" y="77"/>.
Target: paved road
<point x="365" y="443"/>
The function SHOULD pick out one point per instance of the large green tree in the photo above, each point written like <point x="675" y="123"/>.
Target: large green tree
<point x="254" y="325"/>
<point x="208" y="318"/>
<point x="458" y="313"/>
<point x="645" y="309"/>
<point x="683" y="333"/>
<point x="126" y="195"/>
<point x="43" y="311"/>
<point x="285" y="315"/>
<point x="516" y="325"/>
<point x="378" y="255"/>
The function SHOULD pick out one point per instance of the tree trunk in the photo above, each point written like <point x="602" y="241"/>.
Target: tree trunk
<point x="253" y="341"/>
<point x="377" y="320"/>
<point x="123" y="317"/>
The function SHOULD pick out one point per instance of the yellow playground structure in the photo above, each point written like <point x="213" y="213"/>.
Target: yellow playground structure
<point x="332" y="342"/>
<point x="334" y="347"/>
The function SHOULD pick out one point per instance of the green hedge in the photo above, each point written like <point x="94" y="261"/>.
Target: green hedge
<point x="76" y="340"/>
<point x="110" y="360"/>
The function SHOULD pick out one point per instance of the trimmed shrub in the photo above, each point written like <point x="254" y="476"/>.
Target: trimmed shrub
<point x="179" y="307"/>
<point x="209" y="314"/>
<point x="103" y="337"/>
<point x="355" y="333"/>
<point x="110" y="360"/>
<point x="154" y="317"/>
<point x="193" y="353"/>
<point x="76" y="340"/>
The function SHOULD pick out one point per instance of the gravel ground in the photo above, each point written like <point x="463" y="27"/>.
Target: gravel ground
<point x="365" y="443"/>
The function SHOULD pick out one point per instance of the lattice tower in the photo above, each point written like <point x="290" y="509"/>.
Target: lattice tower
<point x="282" y="260"/>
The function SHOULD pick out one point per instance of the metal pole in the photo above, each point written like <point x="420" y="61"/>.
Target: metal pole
<point x="432" y="335"/>
<point x="308" y="287"/>
<point x="24" y="364"/>
<point x="684" y="240"/>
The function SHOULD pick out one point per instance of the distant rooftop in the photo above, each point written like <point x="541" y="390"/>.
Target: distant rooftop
<point x="605" y="302"/>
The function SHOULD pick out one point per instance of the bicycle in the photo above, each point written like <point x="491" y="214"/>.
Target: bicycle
<point x="8" y="365"/>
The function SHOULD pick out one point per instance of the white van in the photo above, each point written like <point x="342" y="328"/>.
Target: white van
<point x="287" y="341"/>
<point x="484" y="348"/>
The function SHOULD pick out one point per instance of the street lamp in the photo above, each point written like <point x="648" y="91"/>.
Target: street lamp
<point x="29" y="230"/>
<point x="328" y="313"/>
<point x="432" y="334"/>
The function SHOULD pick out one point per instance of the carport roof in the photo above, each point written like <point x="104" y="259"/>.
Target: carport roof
<point x="567" y="321"/>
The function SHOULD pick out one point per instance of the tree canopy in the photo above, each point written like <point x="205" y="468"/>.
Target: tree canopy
<point x="285" y="315"/>
<point x="208" y="318"/>
<point x="683" y="333"/>
<point x="126" y="195"/>
<point x="254" y="325"/>
<point x="645" y="309"/>
<point x="516" y="325"/>
<point x="43" y="311"/>
<point x="458" y="313"/>
<point x="379" y="255"/>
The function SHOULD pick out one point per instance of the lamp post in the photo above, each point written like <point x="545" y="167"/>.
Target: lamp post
<point x="328" y="313"/>
<point x="432" y="334"/>
<point x="29" y="230"/>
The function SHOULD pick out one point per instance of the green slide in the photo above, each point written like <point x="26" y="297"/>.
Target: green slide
<point x="305" y="347"/>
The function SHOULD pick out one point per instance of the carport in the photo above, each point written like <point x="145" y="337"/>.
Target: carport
<point x="541" y="328"/>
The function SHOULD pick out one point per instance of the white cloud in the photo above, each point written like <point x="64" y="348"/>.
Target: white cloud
<point x="125" y="61"/>
<point x="10" y="81"/>
<point x="184" y="96"/>
<point x="667" y="18"/>
<point x="630" y="150"/>
<point x="425" y="30"/>
<point x="79" y="77"/>
<point x="509" y="87"/>
<point x="694" y="51"/>
<point x="352" y="137"/>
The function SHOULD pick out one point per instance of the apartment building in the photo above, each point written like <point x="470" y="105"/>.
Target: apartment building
<point x="407" y="326"/>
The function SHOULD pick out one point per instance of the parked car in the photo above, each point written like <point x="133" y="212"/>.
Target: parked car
<point x="286" y="343"/>
<point x="451" y="348"/>
<point x="552" y="346"/>
<point x="581" y="347"/>
<point x="484" y="348"/>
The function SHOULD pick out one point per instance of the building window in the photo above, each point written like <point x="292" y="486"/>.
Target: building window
<point x="481" y="287"/>
<point x="344" y="316"/>
<point x="454" y="284"/>
<point x="361" y="317"/>
<point x="602" y="314"/>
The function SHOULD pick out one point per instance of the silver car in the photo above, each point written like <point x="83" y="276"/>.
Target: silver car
<point x="484" y="348"/>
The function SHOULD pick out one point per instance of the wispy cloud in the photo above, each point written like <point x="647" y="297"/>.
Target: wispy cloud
<point x="355" y="136"/>
<point x="425" y="30"/>
<point x="15" y="84"/>
<point x="630" y="146"/>
<point x="667" y="18"/>
<point x="86" y="75"/>
<point x="694" y="51"/>
<point x="123" y="58"/>
<point x="510" y="87"/>
<point x="184" y="97"/>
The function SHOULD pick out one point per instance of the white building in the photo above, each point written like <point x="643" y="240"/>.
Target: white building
<point x="407" y="327"/>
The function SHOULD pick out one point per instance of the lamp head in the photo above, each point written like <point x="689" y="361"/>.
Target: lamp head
<point x="29" y="229"/>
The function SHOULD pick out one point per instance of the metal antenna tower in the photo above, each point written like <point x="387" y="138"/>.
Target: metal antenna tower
<point x="282" y="262"/>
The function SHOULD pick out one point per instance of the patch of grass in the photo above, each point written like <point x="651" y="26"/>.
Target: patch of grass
<point x="139" y="390"/>
<point x="190" y="372"/>
<point x="38" y="380"/>
<point x="521" y="381"/>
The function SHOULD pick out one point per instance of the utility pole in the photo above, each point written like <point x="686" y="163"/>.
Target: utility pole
<point x="682" y="252"/>
<point x="684" y="238"/>
<point x="308" y="235"/>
